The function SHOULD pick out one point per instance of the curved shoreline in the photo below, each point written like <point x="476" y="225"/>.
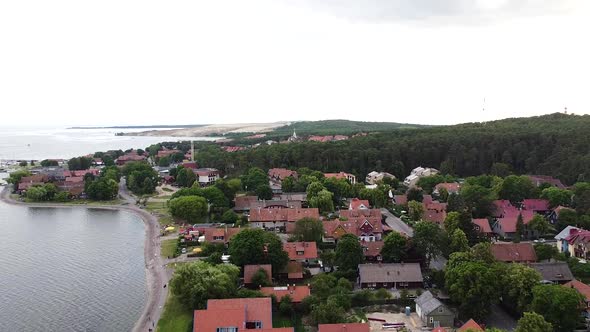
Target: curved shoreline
<point x="156" y="275"/>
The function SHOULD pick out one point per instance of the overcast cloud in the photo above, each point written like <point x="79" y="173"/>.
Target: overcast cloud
<point x="116" y="62"/>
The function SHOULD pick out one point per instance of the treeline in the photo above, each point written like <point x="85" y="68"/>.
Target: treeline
<point x="555" y="145"/>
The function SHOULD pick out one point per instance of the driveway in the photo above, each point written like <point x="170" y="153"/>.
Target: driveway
<point x="397" y="224"/>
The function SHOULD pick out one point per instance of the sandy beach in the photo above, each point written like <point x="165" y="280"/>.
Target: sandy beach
<point x="213" y="130"/>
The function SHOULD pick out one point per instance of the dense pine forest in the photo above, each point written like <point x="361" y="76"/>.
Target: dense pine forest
<point x="555" y="144"/>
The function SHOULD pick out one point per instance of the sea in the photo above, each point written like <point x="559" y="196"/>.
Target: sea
<point x="63" y="143"/>
<point x="70" y="269"/>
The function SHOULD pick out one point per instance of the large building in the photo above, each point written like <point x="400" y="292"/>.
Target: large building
<point x="394" y="275"/>
<point x="417" y="173"/>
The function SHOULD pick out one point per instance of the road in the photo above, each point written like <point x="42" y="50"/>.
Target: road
<point x="397" y="224"/>
<point x="156" y="272"/>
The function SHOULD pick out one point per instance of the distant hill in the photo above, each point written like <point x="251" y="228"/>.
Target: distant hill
<point x="142" y="127"/>
<point x="339" y="127"/>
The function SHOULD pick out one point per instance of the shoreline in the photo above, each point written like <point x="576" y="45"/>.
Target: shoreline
<point x="156" y="273"/>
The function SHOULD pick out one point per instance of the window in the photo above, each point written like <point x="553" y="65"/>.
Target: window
<point x="253" y="325"/>
<point x="431" y="320"/>
<point x="227" y="329"/>
<point x="440" y="309"/>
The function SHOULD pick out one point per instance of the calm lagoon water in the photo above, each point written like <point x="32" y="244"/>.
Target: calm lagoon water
<point x="70" y="269"/>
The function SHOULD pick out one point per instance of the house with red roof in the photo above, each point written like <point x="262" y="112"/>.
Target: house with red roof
<point x="538" y="180"/>
<point x="166" y="153"/>
<point x="233" y="315"/>
<point x="400" y="199"/>
<point x="358" y="204"/>
<point x="451" y="188"/>
<point x="372" y="250"/>
<point x="296" y="293"/>
<point x="506" y="226"/>
<point x="129" y="157"/>
<point x="514" y="252"/>
<point x="279" y="174"/>
<point x="583" y="289"/>
<point x="250" y="271"/>
<point x="342" y="175"/>
<point x="471" y="326"/>
<point x="346" y="327"/>
<point x="579" y="243"/>
<point x="273" y="218"/>
<point x="482" y="226"/>
<point x="303" y="252"/>
<point x="220" y="235"/>
<point x="365" y="223"/>
<point x="540" y="206"/>
<point x="206" y="176"/>
<point x="243" y="203"/>
<point x="292" y="271"/>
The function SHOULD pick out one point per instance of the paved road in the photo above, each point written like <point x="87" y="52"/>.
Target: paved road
<point x="397" y="224"/>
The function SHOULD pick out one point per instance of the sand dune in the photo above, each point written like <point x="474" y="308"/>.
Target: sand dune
<point x="213" y="129"/>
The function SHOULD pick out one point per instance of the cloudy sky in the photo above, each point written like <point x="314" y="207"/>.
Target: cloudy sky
<point x="114" y="62"/>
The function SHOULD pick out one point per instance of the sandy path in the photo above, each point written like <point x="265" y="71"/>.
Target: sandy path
<point x="156" y="272"/>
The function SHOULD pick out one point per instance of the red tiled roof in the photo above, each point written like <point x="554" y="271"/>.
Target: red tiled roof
<point x="75" y="179"/>
<point x="27" y="185"/>
<point x="166" y="153"/>
<point x="356" y="203"/>
<point x="372" y="249"/>
<point x="450" y="187"/>
<point x="500" y="206"/>
<point x="290" y="215"/>
<point x="214" y="234"/>
<point x="470" y="325"/>
<point x="536" y="204"/>
<point x="235" y="313"/>
<point x="347" y="327"/>
<point x="435" y="216"/>
<point x="483" y="224"/>
<point x="578" y="236"/>
<point x="508" y="223"/>
<point x="340" y="175"/>
<point x="294" y="270"/>
<point x="281" y="173"/>
<point x="436" y="206"/>
<point x="514" y="252"/>
<point x="250" y="270"/>
<point x="301" y="250"/>
<point x="540" y="179"/>
<point x="581" y="287"/>
<point x="340" y="137"/>
<point x="400" y="199"/>
<point x="320" y="138"/>
<point x="243" y="202"/>
<point x="233" y="148"/>
<point x="427" y="199"/>
<point x="34" y="178"/>
<point x="191" y="165"/>
<point x="297" y="293"/>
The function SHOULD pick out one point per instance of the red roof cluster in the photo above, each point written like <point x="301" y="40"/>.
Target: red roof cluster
<point x="281" y="173"/>
<point x="359" y="222"/>
<point x="578" y="236"/>
<point x="301" y="250"/>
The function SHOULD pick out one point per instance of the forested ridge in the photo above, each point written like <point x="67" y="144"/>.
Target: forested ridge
<point x="555" y="144"/>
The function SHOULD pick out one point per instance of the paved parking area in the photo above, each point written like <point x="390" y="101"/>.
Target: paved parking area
<point x="413" y="322"/>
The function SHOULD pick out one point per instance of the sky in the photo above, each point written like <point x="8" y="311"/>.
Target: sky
<point x="123" y="62"/>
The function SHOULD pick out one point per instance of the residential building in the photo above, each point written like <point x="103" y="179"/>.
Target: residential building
<point x="554" y="272"/>
<point x="374" y="177"/>
<point x="394" y="275"/>
<point x="514" y="252"/>
<point x="506" y="226"/>
<point x="553" y="216"/>
<point x="451" y="188"/>
<point x="482" y="226"/>
<point x="221" y="235"/>
<point x="470" y="326"/>
<point x="167" y="153"/>
<point x="346" y="327"/>
<point x="276" y="203"/>
<point x="250" y="271"/>
<point x="234" y="315"/>
<point x="206" y="176"/>
<point x="366" y="224"/>
<point x="561" y="242"/>
<point x="129" y="157"/>
<point x="342" y="175"/>
<point x="432" y="312"/>
<point x="372" y="250"/>
<point x="292" y="271"/>
<point x="540" y="206"/>
<point x="400" y="199"/>
<point x="297" y="293"/>
<point x="583" y="289"/>
<point x="358" y="204"/>
<point x="277" y="218"/>
<point x="244" y="203"/>
<point x="538" y="180"/>
<point x="579" y="244"/>
<point x="304" y="252"/>
<point x="279" y="174"/>
<point x="417" y="173"/>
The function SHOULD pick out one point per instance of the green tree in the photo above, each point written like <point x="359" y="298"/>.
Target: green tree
<point x="255" y="246"/>
<point x="323" y="200"/>
<point x="540" y="225"/>
<point x="455" y="203"/>
<point x="195" y="283"/>
<point x="141" y="177"/>
<point x="520" y="230"/>
<point x="36" y="193"/>
<point x="288" y="184"/>
<point x="102" y="189"/>
<point x="532" y="321"/>
<point x="452" y="221"/>
<point x="323" y="285"/>
<point x="566" y="217"/>
<point x="264" y="191"/>
<point x="185" y="177"/>
<point x="427" y="238"/>
<point x="394" y="248"/>
<point x="349" y="253"/>
<point x="478" y="200"/>
<point x="328" y="313"/>
<point x="559" y="305"/>
<point x="254" y="178"/>
<point x="286" y="305"/>
<point x="314" y="188"/>
<point x="164" y="162"/>
<point x="415" y="210"/>
<point x="189" y="208"/>
<point x="545" y="251"/>
<point x="216" y="198"/>
<point x="581" y="200"/>
<point x="308" y="229"/>
<point x="16" y="176"/>
<point x="61" y="196"/>
<point x="557" y="196"/>
<point x="49" y="163"/>
<point x="517" y="283"/>
<point x="229" y="217"/>
<point x="260" y="279"/>
<point x="516" y="188"/>
<point x="415" y="194"/>
<point x="229" y="187"/>
<point x="458" y="241"/>
<point x="474" y="286"/>
<point x="500" y="169"/>
<point x="79" y="163"/>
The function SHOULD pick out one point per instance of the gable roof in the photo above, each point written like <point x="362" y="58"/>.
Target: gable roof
<point x="308" y="250"/>
<point x="566" y="232"/>
<point x="514" y="252"/>
<point x="356" y="204"/>
<point x="394" y="272"/>
<point x="297" y="293"/>
<point x="435" y="216"/>
<point x="242" y="203"/>
<point x="372" y="248"/>
<point x="348" y="327"/>
<point x="536" y="204"/>
<point x="470" y="325"/>
<point x="234" y="312"/>
<point x="554" y="271"/>
<point x="250" y="270"/>
<point x="580" y="236"/>
<point x="427" y="302"/>
<point x="294" y="270"/>
<point x="281" y="173"/>
<point x="581" y="287"/>
<point x="508" y="223"/>
<point x="483" y="225"/>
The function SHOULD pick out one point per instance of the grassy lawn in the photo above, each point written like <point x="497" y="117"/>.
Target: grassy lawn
<point x="279" y="320"/>
<point x="161" y="209"/>
<point x="175" y="317"/>
<point x="168" y="247"/>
